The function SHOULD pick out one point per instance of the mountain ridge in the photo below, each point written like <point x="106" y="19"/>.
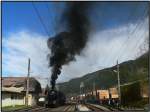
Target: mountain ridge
<point x="130" y="70"/>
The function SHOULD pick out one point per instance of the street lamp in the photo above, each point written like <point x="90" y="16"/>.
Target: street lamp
<point x="118" y="77"/>
<point x="81" y="89"/>
<point x="115" y="71"/>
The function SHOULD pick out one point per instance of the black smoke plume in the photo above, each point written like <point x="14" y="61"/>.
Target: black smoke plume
<point x="65" y="45"/>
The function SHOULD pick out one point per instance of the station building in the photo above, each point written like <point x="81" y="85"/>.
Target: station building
<point x="14" y="91"/>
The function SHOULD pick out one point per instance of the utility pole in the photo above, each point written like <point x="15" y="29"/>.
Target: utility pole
<point x="149" y="62"/>
<point x="81" y="90"/>
<point x="48" y="79"/>
<point x="94" y="86"/>
<point x="94" y="93"/>
<point x="119" y="91"/>
<point x="149" y="56"/>
<point x="27" y="89"/>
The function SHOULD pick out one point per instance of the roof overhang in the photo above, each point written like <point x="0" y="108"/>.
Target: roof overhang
<point x="13" y="89"/>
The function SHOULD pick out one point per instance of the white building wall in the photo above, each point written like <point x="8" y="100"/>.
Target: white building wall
<point x="7" y="101"/>
<point x="19" y="99"/>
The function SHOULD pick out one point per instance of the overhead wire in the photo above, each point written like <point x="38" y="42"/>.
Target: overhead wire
<point x="40" y="18"/>
<point x="109" y="57"/>
<point x="137" y="42"/>
<point x="134" y="31"/>
<point x="129" y="36"/>
<point x="44" y="26"/>
<point x="51" y="17"/>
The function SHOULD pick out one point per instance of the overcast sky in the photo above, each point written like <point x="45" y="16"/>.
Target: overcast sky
<point x="118" y="31"/>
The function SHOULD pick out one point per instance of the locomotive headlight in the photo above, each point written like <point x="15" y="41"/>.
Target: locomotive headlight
<point x="42" y="99"/>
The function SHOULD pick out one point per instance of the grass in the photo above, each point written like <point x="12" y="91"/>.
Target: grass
<point x="16" y="107"/>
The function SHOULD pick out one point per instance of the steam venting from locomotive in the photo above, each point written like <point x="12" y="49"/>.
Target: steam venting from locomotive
<point x="65" y="45"/>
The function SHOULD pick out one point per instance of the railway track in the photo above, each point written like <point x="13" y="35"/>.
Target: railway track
<point x="65" y="108"/>
<point x="97" y="108"/>
<point x="68" y="108"/>
<point x="39" y="109"/>
<point x="93" y="108"/>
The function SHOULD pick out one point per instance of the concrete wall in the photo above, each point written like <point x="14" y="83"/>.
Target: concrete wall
<point x="32" y="99"/>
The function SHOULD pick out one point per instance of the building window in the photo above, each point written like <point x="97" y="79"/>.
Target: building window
<point x="14" y="96"/>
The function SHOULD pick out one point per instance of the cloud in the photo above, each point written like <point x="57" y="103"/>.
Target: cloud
<point x="105" y="47"/>
<point x="18" y="47"/>
<point x="102" y="50"/>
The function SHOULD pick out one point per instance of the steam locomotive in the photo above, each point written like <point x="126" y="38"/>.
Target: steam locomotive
<point x="54" y="98"/>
